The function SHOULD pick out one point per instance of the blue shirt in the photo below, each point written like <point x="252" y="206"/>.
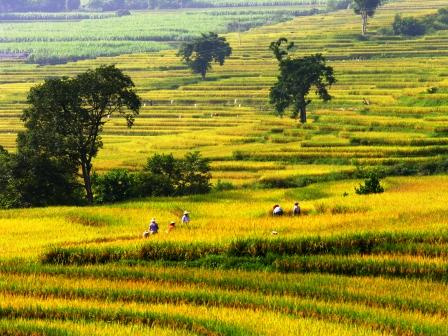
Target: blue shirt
<point x="153" y="227"/>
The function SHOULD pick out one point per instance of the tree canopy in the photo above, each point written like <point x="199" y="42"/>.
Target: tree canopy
<point x="66" y="117"/>
<point x="163" y="175"/>
<point x="199" y="53"/>
<point x="408" y="26"/>
<point x="366" y="8"/>
<point x="297" y="77"/>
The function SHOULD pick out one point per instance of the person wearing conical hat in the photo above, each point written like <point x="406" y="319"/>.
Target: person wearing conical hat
<point x="186" y="218"/>
<point x="153" y="227"/>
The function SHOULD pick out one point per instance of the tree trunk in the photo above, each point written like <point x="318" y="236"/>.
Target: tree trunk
<point x="364" y="23"/>
<point x="87" y="181"/>
<point x="203" y="75"/>
<point x="303" y="115"/>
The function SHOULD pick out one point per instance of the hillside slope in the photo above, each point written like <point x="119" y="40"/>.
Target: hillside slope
<point x="228" y="118"/>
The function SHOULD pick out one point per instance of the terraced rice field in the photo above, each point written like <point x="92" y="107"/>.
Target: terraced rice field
<point x="228" y="119"/>
<point x="61" y="37"/>
<point x="350" y="265"/>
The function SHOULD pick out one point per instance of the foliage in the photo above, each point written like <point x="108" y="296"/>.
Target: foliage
<point x="223" y="185"/>
<point x="66" y="116"/>
<point x="9" y="197"/>
<point x="29" y="179"/>
<point x="366" y="8"/>
<point x="371" y="185"/>
<point x="338" y="4"/>
<point x="106" y="5"/>
<point x="55" y="38"/>
<point x="123" y="12"/>
<point x="411" y="26"/>
<point x="202" y="51"/>
<point x="408" y="26"/>
<point x="346" y="266"/>
<point x="114" y="186"/>
<point x="163" y="175"/>
<point x="437" y="21"/>
<point x="190" y="175"/>
<point x="297" y="77"/>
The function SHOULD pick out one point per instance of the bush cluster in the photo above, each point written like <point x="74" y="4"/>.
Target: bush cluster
<point x="27" y="180"/>
<point x="411" y="26"/>
<point x="163" y="175"/>
<point x="333" y="5"/>
<point x="371" y="185"/>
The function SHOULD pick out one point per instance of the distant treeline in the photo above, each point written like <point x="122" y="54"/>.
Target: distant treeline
<point x="39" y="5"/>
<point x="71" y="5"/>
<point x="8" y="6"/>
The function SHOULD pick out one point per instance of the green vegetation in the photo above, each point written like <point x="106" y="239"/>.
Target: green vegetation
<point x="411" y="26"/>
<point x="370" y="265"/>
<point x="64" y="123"/>
<point x="371" y="185"/>
<point x="365" y="8"/>
<point x="347" y="270"/>
<point x="39" y="6"/>
<point x="202" y="51"/>
<point x="75" y="36"/>
<point x="297" y="77"/>
<point x="163" y="175"/>
<point x="408" y="26"/>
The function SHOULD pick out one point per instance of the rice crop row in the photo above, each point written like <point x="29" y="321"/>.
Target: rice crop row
<point x="423" y="244"/>
<point x="349" y="265"/>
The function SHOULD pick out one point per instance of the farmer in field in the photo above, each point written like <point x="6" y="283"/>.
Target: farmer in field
<point x="296" y="209"/>
<point x="171" y="227"/>
<point x="153" y="227"/>
<point x="186" y="218"/>
<point x="277" y="210"/>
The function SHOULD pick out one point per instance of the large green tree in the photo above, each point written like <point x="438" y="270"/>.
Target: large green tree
<point x="28" y="178"/>
<point x="297" y="77"/>
<point x="199" y="53"/>
<point x="66" y="117"/>
<point x="365" y="8"/>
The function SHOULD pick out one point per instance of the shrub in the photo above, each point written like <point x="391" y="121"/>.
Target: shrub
<point x="239" y="155"/>
<point x="163" y="175"/>
<point x="222" y="186"/>
<point x="409" y="26"/>
<point x="190" y="175"/>
<point x="122" y="12"/>
<point x="116" y="185"/>
<point x="195" y="175"/>
<point x="371" y="185"/>
<point x="148" y="184"/>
